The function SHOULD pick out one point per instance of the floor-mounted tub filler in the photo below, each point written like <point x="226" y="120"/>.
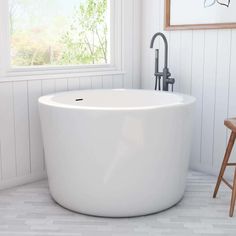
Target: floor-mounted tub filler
<point x="117" y="153"/>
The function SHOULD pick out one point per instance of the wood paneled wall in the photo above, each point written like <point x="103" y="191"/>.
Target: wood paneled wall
<point x="204" y="65"/>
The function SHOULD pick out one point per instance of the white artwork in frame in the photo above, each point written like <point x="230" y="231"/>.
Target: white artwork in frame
<point x="200" y="14"/>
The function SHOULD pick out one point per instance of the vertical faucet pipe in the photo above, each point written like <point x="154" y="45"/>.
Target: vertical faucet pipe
<point x="157" y="77"/>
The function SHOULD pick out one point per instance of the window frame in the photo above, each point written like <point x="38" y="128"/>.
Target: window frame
<point x="39" y="72"/>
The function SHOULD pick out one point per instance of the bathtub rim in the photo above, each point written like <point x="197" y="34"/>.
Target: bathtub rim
<point x="46" y="101"/>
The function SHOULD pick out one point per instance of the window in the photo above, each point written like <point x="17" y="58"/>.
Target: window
<point x="56" y="36"/>
<point x="59" y="32"/>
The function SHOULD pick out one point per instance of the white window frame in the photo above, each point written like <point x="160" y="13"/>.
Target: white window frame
<point x="7" y="73"/>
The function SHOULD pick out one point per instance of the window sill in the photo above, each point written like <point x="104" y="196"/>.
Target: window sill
<point x="58" y="73"/>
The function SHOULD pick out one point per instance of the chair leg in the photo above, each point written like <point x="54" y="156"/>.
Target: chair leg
<point x="225" y="162"/>
<point x="233" y="199"/>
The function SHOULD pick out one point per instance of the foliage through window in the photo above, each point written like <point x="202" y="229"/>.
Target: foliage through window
<point x="59" y="32"/>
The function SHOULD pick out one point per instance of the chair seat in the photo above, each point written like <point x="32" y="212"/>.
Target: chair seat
<point x="231" y="124"/>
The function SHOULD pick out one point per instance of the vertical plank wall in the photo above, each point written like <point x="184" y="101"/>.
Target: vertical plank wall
<point x="204" y="65"/>
<point x="21" y="148"/>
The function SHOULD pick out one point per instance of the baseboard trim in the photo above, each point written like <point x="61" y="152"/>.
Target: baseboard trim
<point x="17" y="181"/>
<point x="214" y="171"/>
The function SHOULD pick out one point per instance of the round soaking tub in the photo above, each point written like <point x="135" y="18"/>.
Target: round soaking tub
<point x="117" y="153"/>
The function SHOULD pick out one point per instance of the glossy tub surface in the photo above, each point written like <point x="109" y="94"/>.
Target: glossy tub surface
<point x="117" y="153"/>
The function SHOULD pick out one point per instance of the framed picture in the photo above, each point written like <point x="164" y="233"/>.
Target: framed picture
<point x="200" y="14"/>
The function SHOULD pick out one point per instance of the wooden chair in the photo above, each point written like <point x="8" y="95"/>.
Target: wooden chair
<point x="231" y="124"/>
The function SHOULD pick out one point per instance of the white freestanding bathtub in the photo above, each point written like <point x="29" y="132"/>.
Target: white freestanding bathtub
<point x="117" y="153"/>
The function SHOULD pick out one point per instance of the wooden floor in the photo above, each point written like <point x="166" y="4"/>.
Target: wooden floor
<point x="29" y="210"/>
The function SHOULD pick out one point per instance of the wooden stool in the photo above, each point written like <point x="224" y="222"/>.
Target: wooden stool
<point x="231" y="124"/>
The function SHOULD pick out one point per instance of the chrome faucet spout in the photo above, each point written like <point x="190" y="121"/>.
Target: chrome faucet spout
<point x="159" y="34"/>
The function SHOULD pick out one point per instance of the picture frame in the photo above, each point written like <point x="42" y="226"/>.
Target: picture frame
<point x="209" y="14"/>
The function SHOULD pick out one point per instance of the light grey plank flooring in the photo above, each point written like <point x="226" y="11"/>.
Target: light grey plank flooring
<point x="29" y="210"/>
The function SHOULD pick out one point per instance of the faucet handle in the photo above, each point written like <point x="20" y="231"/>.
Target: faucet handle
<point x="172" y="82"/>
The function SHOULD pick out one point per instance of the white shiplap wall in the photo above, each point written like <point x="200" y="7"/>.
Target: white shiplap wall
<point x="21" y="149"/>
<point x="204" y="65"/>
